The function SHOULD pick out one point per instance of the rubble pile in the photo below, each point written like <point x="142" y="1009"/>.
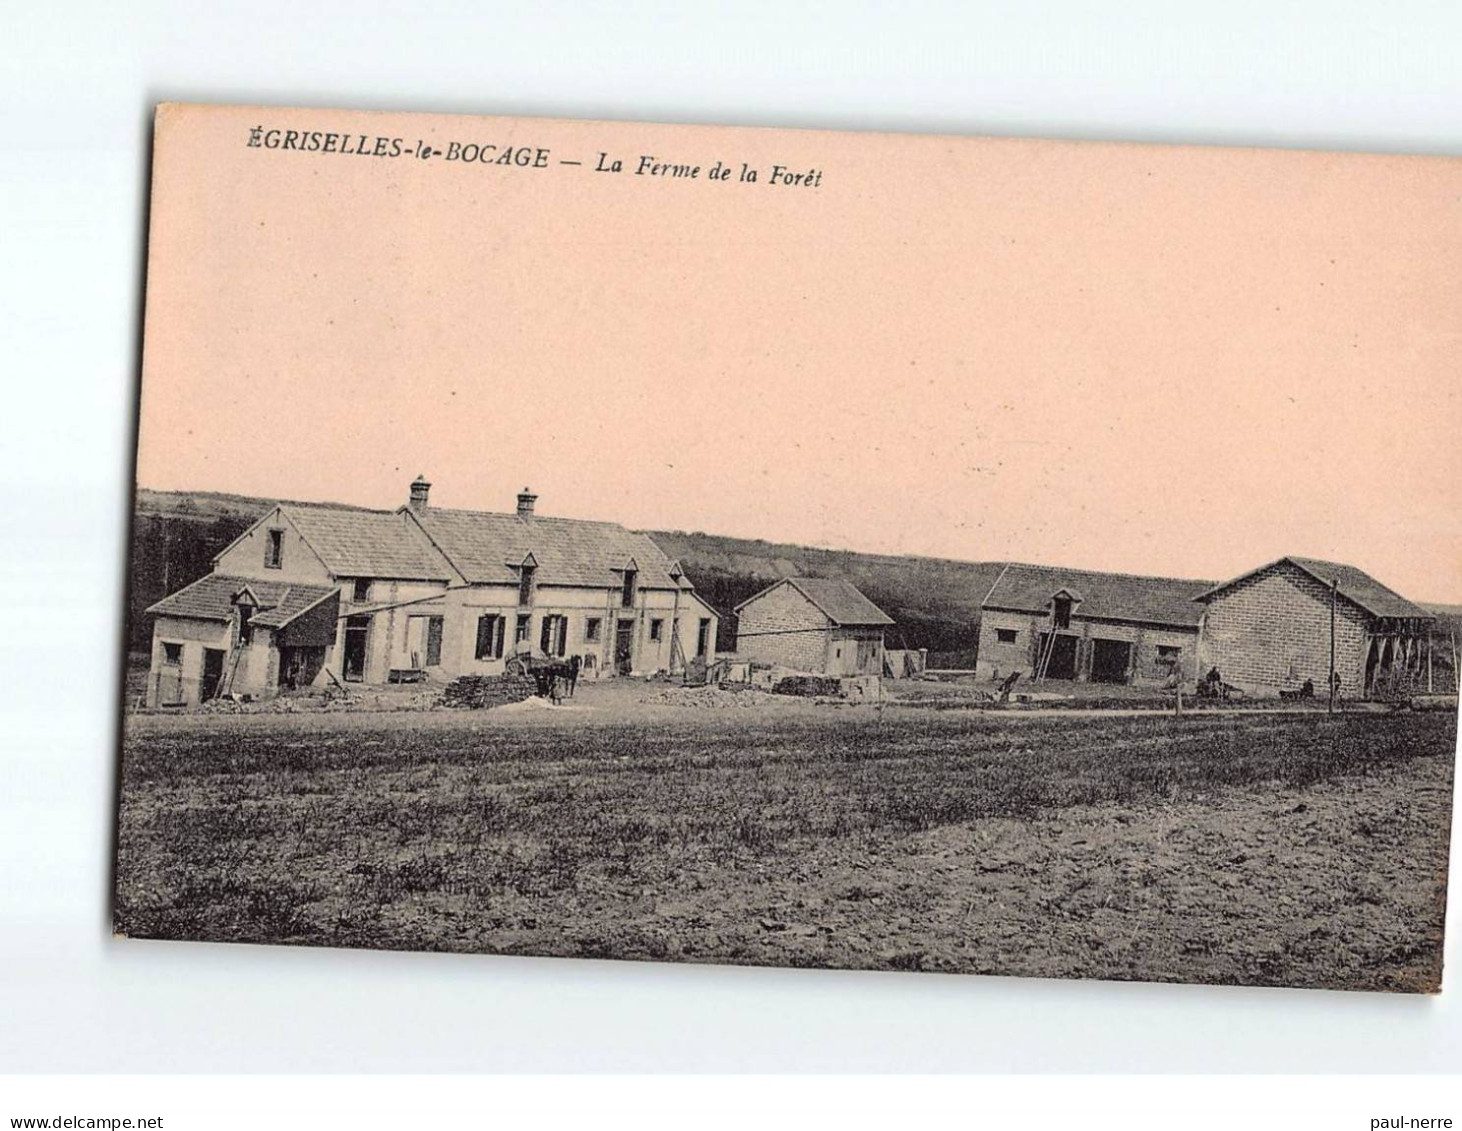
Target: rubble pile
<point x="709" y="696"/>
<point x="334" y="702"/>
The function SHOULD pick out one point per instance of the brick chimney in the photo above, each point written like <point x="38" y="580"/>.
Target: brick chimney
<point x="420" y="488"/>
<point x="526" y="499"/>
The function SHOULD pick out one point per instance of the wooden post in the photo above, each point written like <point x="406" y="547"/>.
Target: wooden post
<point x="1334" y="591"/>
<point x="1429" y="687"/>
<point x="674" y="624"/>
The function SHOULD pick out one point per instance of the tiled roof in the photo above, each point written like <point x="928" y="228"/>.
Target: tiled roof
<point x="1108" y="596"/>
<point x="361" y="543"/>
<point x="485" y="547"/>
<point x="1355" y="585"/>
<point x="840" y="601"/>
<point x="211" y="597"/>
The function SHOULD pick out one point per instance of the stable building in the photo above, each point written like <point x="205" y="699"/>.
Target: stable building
<point x="316" y="595"/>
<point x="1063" y="624"/>
<point x="1269" y="630"/>
<point x="811" y="624"/>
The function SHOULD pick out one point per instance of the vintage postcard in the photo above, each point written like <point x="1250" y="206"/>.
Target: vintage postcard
<point x="795" y="548"/>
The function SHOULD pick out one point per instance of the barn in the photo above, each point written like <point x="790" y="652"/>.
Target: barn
<point x="1269" y="630"/>
<point x="1070" y="624"/>
<point x="812" y="624"/>
<point x="313" y="595"/>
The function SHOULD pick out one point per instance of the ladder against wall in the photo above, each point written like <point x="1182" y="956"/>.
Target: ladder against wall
<point x="226" y="684"/>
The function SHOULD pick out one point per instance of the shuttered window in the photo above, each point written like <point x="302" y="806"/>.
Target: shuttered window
<point x="553" y="640"/>
<point x="490" y="631"/>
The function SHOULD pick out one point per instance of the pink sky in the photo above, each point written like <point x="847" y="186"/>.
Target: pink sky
<point x="1167" y="360"/>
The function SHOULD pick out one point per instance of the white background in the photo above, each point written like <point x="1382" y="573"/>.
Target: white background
<point x="76" y="86"/>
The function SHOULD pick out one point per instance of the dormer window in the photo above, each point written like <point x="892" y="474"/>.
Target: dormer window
<point x="525" y="583"/>
<point x="627" y="589"/>
<point x="274" y="550"/>
<point x="1061" y="611"/>
<point x="361" y="591"/>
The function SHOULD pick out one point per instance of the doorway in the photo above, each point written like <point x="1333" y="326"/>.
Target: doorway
<point x="624" y="642"/>
<point x="212" y="672"/>
<point x="1110" y="660"/>
<point x="1062" y="664"/>
<point x="357" y="634"/>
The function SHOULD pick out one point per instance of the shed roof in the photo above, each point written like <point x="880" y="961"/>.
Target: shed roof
<point x="840" y="601"/>
<point x="1167" y="601"/>
<point x="211" y="597"/>
<point x="1355" y="585"/>
<point x="362" y="543"/>
<point x="487" y="547"/>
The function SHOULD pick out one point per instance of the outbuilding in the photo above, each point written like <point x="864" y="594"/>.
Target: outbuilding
<point x="813" y="624"/>
<point x="1270" y="630"/>
<point x="1049" y="622"/>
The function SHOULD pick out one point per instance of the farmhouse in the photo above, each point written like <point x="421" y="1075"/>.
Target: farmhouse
<point x="311" y="595"/>
<point x="813" y="624"/>
<point x="1080" y="625"/>
<point x="1269" y="630"/>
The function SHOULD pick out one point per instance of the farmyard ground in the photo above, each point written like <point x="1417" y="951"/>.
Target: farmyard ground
<point x="1278" y="849"/>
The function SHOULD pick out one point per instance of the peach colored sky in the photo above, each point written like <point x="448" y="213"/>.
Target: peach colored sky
<point x="1151" y="359"/>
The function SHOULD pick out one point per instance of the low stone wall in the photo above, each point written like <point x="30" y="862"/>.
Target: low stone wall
<point x="480" y="691"/>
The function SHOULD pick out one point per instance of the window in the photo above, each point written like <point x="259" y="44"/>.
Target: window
<point x="246" y="627"/>
<point x="657" y="628"/>
<point x="1061" y="612"/>
<point x="627" y="591"/>
<point x="274" y="550"/>
<point x="172" y="653"/>
<point x="361" y="591"/>
<point x="520" y="634"/>
<point x="1005" y="635"/>
<point x="592" y="628"/>
<point x="490" y="631"/>
<point x="703" y="637"/>
<point x="1167" y="651"/>
<point x="525" y="583"/>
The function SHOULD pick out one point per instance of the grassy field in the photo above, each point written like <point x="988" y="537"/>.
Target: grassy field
<point x="1279" y="849"/>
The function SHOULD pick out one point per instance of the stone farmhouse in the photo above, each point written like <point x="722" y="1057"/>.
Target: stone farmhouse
<point x="317" y="595"/>
<point x="1269" y="629"/>
<point x="812" y="624"/>
<point x="1083" y="625"/>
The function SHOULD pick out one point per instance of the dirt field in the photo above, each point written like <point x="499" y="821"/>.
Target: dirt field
<point x="1260" y="849"/>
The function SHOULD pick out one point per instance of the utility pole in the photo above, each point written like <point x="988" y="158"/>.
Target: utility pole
<point x="1334" y="592"/>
